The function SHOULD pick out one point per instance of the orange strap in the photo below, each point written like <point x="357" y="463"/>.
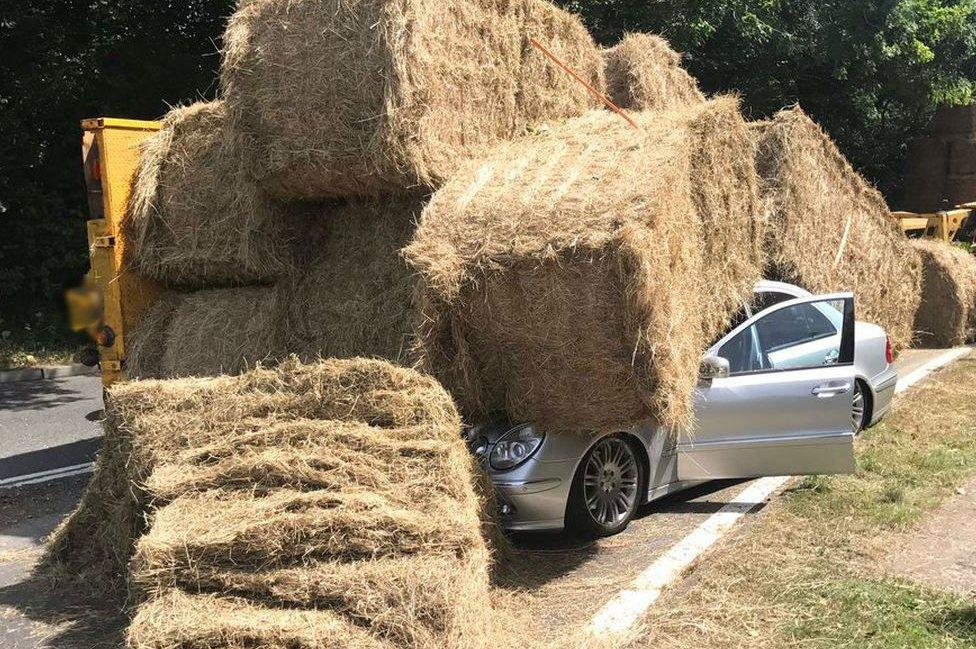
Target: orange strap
<point x="596" y="93"/>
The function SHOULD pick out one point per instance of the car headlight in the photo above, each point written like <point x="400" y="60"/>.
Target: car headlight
<point x="476" y="442"/>
<point x="515" y="447"/>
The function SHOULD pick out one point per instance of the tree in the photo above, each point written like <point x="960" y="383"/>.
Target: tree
<point x="870" y="72"/>
<point x="62" y="61"/>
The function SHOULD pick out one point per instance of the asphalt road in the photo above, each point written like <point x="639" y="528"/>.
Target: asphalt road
<point x="49" y="424"/>
<point x="45" y="425"/>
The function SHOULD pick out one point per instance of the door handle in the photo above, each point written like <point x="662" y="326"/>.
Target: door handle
<point x="829" y="390"/>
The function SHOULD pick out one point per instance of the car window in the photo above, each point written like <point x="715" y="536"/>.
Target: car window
<point x="740" y="316"/>
<point x="793" y="337"/>
<point x="793" y="325"/>
<point x="765" y="299"/>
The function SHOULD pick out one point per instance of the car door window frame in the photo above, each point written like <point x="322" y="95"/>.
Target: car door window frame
<point x="846" y="354"/>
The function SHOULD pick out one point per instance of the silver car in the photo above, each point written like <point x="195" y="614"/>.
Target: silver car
<point x="782" y="393"/>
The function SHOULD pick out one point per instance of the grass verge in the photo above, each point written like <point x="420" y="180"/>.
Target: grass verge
<point x="806" y="573"/>
<point x="14" y="356"/>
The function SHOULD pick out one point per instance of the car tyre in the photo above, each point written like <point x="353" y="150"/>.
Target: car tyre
<point x="860" y="406"/>
<point x="607" y="488"/>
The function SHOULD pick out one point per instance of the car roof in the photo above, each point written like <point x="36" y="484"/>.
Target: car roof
<point x="769" y="286"/>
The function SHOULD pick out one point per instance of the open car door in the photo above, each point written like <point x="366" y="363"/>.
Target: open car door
<point x="775" y="395"/>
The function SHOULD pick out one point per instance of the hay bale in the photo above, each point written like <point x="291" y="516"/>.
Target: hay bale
<point x="151" y="422"/>
<point x="372" y="97"/>
<point x="926" y="166"/>
<point x="195" y="218"/>
<point x="564" y="277"/>
<point x="355" y="295"/>
<point x="203" y="621"/>
<point x="959" y="189"/>
<point x="962" y="158"/>
<point x="205" y="333"/>
<point x="955" y="121"/>
<point x="946" y="316"/>
<point x="830" y="230"/>
<point x="644" y="73"/>
<point x="146" y="342"/>
<point x="222" y="331"/>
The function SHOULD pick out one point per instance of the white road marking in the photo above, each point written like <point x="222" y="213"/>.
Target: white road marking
<point x="46" y="476"/>
<point x="620" y="613"/>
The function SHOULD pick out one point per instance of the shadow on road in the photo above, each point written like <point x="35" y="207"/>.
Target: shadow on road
<point x="687" y="501"/>
<point x="37" y="610"/>
<point x="54" y="457"/>
<point x="37" y="395"/>
<point x="535" y="559"/>
<point x="68" y="619"/>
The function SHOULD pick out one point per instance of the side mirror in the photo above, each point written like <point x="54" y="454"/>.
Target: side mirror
<point x="713" y="367"/>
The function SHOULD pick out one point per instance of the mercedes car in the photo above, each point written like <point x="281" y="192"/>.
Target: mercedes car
<point x="783" y="392"/>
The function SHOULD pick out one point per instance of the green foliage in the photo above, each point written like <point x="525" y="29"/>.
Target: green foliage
<point x="871" y="72"/>
<point x="64" y="60"/>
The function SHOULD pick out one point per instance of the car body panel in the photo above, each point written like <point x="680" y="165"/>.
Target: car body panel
<point x="870" y="363"/>
<point x="792" y="418"/>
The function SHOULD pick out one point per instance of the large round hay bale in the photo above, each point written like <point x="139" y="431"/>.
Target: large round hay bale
<point x="829" y="229"/>
<point x="644" y="73"/>
<point x="195" y="218"/>
<point x="564" y="277"/>
<point x="946" y="316"/>
<point x="355" y="295"/>
<point x="376" y="96"/>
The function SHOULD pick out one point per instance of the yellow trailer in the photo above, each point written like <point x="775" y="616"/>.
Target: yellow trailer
<point x="112" y="297"/>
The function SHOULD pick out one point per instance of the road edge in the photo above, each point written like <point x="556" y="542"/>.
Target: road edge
<point x="42" y="372"/>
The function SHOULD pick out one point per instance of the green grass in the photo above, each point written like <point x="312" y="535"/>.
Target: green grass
<point x="808" y="571"/>
<point x="13" y="356"/>
<point x="43" y="340"/>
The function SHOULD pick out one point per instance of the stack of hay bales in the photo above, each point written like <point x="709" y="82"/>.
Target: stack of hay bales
<point x="281" y="507"/>
<point x="946" y="316"/>
<point x="573" y="278"/>
<point x="940" y="168"/>
<point x="275" y="215"/>
<point x="644" y="73"/>
<point x="829" y="229"/>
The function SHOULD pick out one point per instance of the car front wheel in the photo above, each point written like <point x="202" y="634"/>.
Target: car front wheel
<point x="606" y="489"/>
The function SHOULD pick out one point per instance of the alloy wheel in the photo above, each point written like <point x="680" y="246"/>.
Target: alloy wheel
<point x="857" y="408"/>
<point x="610" y="481"/>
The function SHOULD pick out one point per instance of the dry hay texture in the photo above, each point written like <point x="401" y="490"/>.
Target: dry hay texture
<point x="312" y="505"/>
<point x="373" y="96"/>
<point x="574" y="277"/>
<point x="205" y="333"/>
<point x="946" y="316"/>
<point x="644" y="73"/>
<point x="195" y="219"/>
<point x="349" y="294"/>
<point x="819" y="206"/>
<point x="355" y="294"/>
